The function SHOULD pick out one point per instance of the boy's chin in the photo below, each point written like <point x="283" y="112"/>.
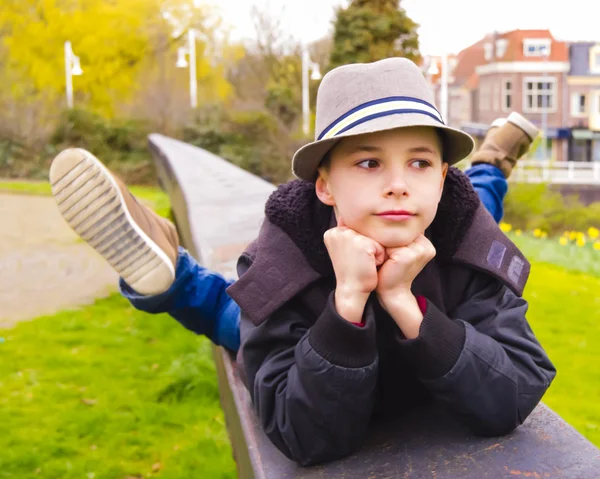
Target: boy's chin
<point x="394" y="240"/>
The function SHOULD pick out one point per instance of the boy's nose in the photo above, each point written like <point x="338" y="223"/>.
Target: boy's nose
<point x="396" y="184"/>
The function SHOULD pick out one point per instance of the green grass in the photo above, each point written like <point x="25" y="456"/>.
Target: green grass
<point x="565" y="316"/>
<point x="41" y="188"/>
<point x="109" y="392"/>
<point x="151" y="196"/>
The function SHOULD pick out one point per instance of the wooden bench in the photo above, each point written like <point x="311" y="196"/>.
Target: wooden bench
<point x="218" y="209"/>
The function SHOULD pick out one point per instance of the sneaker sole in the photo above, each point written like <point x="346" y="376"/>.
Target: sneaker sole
<point x="92" y="204"/>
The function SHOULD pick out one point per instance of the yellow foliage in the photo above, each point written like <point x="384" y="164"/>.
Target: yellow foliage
<point x="537" y="233"/>
<point x="580" y="241"/>
<point x="115" y="41"/>
<point x="597" y="245"/>
<point x="518" y="232"/>
<point x="593" y="232"/>
<point x="505" y="227"/>
<point x="564" y="241"/>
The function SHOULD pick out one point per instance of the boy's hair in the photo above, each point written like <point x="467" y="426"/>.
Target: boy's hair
<point x="326" y="161"/>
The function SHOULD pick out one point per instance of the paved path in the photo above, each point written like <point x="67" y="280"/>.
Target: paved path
<point x="44" y="266"/>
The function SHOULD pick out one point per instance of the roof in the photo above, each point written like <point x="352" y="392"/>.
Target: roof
<point x="473" y="56"/>
<point x="466" y="62"/>
<point x="559" y="51"/>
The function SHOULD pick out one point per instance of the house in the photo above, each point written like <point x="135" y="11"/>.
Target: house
<point x="524" y="71"/>
<point x="584" y="108"/>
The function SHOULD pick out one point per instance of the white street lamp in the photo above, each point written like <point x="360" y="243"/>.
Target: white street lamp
<point x="307" y="65"/>
<point x="72" y="67"/>
<point x="190" y="51"/>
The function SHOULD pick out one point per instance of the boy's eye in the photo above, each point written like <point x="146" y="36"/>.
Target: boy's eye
<point x="368" y="164"/>
<point x="421" y="164"/>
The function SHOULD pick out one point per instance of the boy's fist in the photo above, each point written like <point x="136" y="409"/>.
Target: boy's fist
<point x="355" y="259"/>
<point x="402" y="266"/>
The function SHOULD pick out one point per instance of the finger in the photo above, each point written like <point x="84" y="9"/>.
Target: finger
<point x="380" y="254"/>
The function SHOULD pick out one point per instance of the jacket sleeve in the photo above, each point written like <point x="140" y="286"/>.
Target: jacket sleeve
<point x="312" y="382"/>
<point x="499" y="372"/>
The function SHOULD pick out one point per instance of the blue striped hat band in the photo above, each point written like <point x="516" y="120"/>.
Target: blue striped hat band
<point x="393" y="105"/>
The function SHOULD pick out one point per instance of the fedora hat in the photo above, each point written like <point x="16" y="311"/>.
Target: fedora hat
<point x="368" y="97"/>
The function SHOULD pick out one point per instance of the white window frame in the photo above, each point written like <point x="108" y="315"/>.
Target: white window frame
<point x="594" y="103"/>
<point x="488" y="51"/>
<point x="501" y="45"/>
<point x="594" y="66"/>
<point x="543" y="47"/>
<point x="553" y="94"/>
<point x="576" y="105"/>
<point x="508" y="93"/>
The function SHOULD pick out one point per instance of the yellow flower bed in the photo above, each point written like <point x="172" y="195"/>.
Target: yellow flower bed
<point x="578" y="238"/>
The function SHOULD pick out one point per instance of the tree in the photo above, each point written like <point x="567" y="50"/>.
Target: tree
<point x="118" y="42"/>
<point x="371" y="30"/>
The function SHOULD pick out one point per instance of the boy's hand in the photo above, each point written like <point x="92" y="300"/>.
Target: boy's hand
<point x="396" y="275"/>
<point x="402" y="266"/>
<point x="355" y="259"/>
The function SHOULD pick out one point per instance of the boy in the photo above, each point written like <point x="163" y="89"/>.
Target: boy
<point x="342" y="340"/>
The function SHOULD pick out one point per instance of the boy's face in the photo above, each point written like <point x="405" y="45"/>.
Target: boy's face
<point x="385" y="185"/>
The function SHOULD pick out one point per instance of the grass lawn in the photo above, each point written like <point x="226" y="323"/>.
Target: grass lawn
<point x="153" y="197"/>
<point x="564" y="313"/>
<point x="109" y="392"/>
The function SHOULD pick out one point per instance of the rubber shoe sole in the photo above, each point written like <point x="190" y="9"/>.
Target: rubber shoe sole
<point x="92" y="204"/>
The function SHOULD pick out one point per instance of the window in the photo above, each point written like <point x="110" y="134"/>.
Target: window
<point x="536" y="47"/>
<point x="539" y="94"/>
<point x="578" y="107"/>
<point x="507" y="95"/>
<point x="501" y="45"/>
<point x="488" y="51"/>
<point x="595" y="59"/>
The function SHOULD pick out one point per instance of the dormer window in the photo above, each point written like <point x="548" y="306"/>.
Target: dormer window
<point x="536" y="47"/>
<point x="488" y="51"/>
<point x="595" y="59"/>
<point x="501" y="45"/>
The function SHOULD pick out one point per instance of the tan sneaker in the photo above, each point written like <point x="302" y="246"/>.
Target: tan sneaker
<point x="140" y="245"/>
<point x="505" y="142"/>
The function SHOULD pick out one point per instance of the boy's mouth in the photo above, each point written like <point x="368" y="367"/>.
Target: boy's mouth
<point x="396" y="215"/>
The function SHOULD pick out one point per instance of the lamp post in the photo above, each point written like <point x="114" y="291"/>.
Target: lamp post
<point x="190" y="50"/>
<point x="72" y="67"/>
<point x="307" y="65"/>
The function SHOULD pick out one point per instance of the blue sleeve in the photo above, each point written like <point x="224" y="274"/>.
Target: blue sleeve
<point x="491" y="186"/>
<point x="197" y="299"/>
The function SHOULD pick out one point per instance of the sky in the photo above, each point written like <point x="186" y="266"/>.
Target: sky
<point x="444" y="27"/>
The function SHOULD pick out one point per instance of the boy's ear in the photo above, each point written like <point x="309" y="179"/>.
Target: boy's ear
<point x="444" y="173"/>
<point x="322" y="189"/>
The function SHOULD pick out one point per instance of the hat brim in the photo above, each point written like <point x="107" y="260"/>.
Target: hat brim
<point x="457" y="145"/>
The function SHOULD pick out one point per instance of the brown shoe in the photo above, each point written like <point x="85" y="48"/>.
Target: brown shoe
<point x="506" y="142"/>
<point x="140" y="245"/>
